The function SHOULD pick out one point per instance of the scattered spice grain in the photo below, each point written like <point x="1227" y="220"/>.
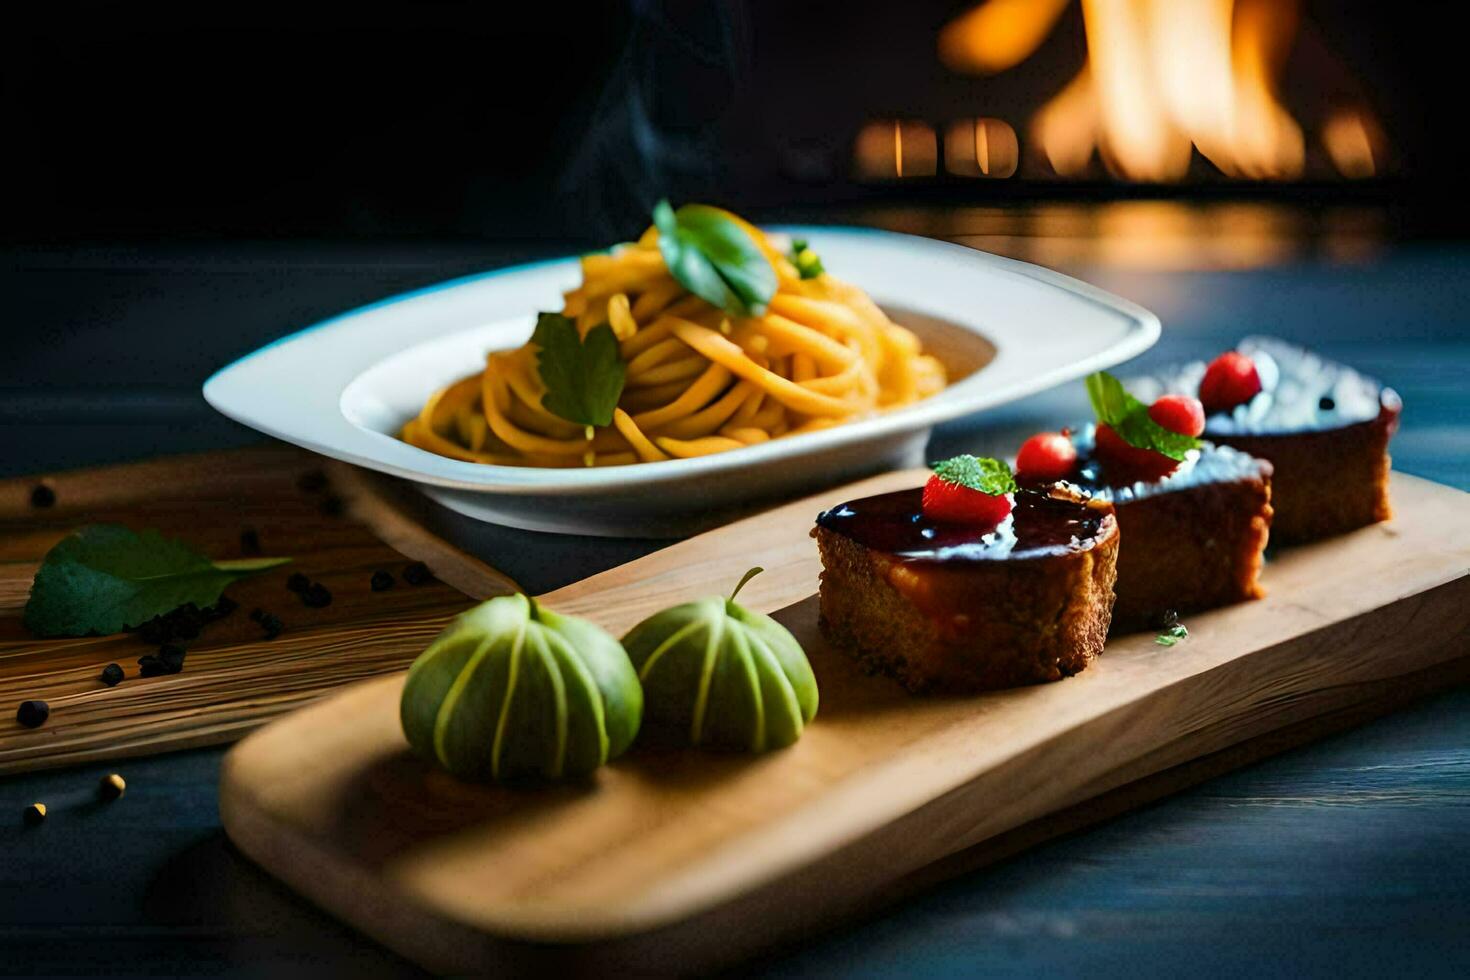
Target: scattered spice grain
<point x="33" y="714"/>
<point x="271" y="625"/>
<point x="317" y="596"/>
<point x="112" y="787"/>
<point x="172" y="656"/>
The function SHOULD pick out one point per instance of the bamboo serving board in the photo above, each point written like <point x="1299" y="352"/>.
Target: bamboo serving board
<point x="233" y="679"/>
<point x="675" y="860"/>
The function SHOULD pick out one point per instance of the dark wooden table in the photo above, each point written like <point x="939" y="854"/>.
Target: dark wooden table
<point x="1350" y="857"/>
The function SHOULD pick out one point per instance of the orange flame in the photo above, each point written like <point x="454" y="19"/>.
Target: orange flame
<point x="1162" y="78"/>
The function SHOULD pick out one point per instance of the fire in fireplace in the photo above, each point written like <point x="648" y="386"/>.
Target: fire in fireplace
<point x="1169" y="89"/>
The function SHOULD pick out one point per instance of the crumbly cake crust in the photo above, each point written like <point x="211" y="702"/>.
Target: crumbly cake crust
<point x="1326" y="482"/>
<point x="1019" y="622"/>
<point x="1191" y="550"/>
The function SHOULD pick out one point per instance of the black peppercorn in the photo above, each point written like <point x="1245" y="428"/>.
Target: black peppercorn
<point x="298" y="583"/>
<point x="333" y="506"/>
<point x="318" y="596"/>
<point x="34" y="814"/>
<point x="112" y="675"/>
<point x="151" y="665"/>
<point x="417" y="574"/>
<point x="172" y="657"/>
<point x="112" y="787"/>
<point x="33" y="714"/>
<point x="222" y="607"/>
<point x="271" y="625"/>
<point x="250" y="541"/>
<point x="42" y="496"/>
<point x="382" y="581"/>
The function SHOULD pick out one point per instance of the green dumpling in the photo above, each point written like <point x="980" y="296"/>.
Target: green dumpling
<point x="512" y="690"/>
<point x="722" y="676"/>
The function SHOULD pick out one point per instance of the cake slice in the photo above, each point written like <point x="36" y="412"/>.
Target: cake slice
<point x="1323" y="426"/>
<point x="1194" y="517"/>
<point x="1193" y="539"/>
<point x="943" y="604"/>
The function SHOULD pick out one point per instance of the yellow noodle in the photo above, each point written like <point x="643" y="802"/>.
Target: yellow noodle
<point x="785" y="391"/>
<point x="709" y="445"/>
<point x="684" y="367"/>
<point x="645" y="449"/>
<point x="705" y="388"/>
<point x="697" y="379"/>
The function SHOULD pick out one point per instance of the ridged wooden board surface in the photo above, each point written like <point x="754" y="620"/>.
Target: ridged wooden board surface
<point x="672" y="860"/>
<point x="233" y="680"/>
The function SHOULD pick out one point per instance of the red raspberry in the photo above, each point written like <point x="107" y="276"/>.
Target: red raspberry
<point x="1123" y="460"/>
<point x="1179" y="413"/>
<point x="1046" y="457"/>
<point x="1230" y="380"/>
<point x="952" y="503"/>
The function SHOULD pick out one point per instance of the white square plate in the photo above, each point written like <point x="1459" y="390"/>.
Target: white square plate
<point x="344" y="387"/>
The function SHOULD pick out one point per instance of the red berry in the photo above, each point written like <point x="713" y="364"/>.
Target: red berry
<point x="952" y="503"/>
<point x="1230" y="380"/>
<point x="1178" y="413"/>
<point x="1130" y="462"/>
<point x="1046" y="457"/>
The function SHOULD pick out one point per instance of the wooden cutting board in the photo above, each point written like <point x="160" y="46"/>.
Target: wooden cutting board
<point x="676" y="860"/>
<point x="337" y="530"/>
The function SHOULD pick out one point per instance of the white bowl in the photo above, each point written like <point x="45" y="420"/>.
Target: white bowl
<point x="344" y="387"/>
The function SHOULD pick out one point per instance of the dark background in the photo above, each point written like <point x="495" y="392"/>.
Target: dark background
<point x="565" y="121"/>
<point x="182" y="183"/>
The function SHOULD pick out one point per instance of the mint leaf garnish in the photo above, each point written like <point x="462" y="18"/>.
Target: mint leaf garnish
<point x="1172" y="635"/>
<point x="981" y="473"/>
<point x="713" y="257"/>
<point x="105" y="578"/>
<point x="1129" y="418"/>
<point x="583" y="376"/>
<point x="808" y="263"/>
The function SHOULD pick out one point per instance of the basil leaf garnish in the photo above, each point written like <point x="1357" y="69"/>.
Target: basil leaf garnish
<point x="105" y="578"/>
<point x="715" y="258"/>
<point x="583" y="376"/>
<point x="1129" y="418"/>
<point x="981" y="473"/>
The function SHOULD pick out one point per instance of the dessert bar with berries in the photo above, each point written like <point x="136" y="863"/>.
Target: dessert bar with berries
<point x="1193" y="516"/>
<point x="1323" y="426"/>
<point x="970" y="583"/>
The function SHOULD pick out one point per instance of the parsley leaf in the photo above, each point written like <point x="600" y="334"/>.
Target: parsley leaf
<point x="105" y="578"/>
<point x="1172" y="635"/>
<point x="1129" y="418"/>
<point x="713" y="256"/>
<point x="808" y="263"/>
<point x="583" y="375"/>
<point x="987" y="475"/>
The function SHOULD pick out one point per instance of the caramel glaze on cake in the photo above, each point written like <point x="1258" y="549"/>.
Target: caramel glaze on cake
<point x="1192" y="540"/>
<point x="952" y="608"/>
<point x="1324" y="427"/>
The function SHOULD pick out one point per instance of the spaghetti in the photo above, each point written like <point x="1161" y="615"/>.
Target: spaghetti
<point x="698" y="379"/>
